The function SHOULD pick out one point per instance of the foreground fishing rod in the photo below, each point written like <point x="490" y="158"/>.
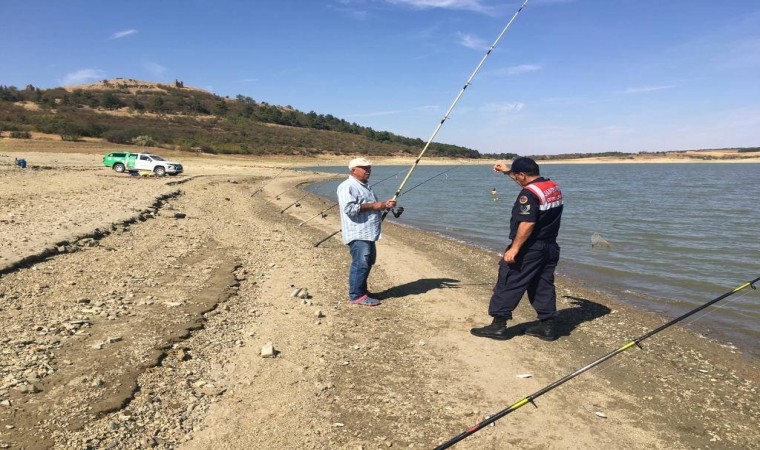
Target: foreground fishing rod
<point x="453" y="104"/>
<point x="529" y="399"/>
<point x="264" y="185"/>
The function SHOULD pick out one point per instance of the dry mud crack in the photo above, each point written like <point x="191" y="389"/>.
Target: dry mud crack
<point x="82" y="325"/>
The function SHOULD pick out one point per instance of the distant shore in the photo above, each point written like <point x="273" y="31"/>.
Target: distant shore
<point x="46" y="143"/>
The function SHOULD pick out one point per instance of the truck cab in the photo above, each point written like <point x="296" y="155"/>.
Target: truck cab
<point x="152" y="163"/>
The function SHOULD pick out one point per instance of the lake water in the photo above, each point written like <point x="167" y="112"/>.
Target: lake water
<point x="681" y="234"/>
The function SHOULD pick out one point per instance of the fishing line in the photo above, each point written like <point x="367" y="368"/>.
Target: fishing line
<point x="636" y="342"/>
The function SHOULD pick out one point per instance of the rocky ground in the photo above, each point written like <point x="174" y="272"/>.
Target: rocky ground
<point x="135" y="310"/>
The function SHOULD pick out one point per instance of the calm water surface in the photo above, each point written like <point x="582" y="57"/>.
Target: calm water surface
<point x="681" y="234"/>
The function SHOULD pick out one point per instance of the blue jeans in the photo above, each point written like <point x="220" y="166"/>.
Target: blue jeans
<point x="363" y="257"/>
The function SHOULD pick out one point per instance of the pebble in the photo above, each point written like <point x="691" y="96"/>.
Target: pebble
<point x="267" y="351"/>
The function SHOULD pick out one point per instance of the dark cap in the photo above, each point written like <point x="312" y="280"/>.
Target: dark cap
<point x="523" y="165"/>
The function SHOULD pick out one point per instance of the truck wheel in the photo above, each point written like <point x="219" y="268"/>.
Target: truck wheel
<point x="119" y="167"/>
<point x="159" y="171"/>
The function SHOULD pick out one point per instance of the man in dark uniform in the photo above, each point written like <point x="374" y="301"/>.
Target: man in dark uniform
<point x="531" y="258"/>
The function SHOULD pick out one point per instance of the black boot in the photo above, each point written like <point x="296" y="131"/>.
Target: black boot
<point x="545" y="330"/>
<point x="497" y="330"/>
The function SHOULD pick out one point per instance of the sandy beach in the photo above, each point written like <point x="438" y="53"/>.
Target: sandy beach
<point x="135" y="309"/>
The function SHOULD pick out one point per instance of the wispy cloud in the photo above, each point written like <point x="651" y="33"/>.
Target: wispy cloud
<point x="549" y="2"/>
<point x="515" y="70"/>
<point x="643" y="89"/>
<point x="394" y="112"/>
<point x="82" y="76"/>
<point x="154" y="69"/>
<point x="122" y="34"/>
<point x="472" y="42"/>
<point x="356" y="9"/>
<point x="466" y="5"/>
<point x="503" y="108"/>
<point x="248" y="80"/>
<point x="523" y="68"/>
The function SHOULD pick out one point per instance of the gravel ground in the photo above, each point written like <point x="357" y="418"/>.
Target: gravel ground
<point x="134" y="312"/>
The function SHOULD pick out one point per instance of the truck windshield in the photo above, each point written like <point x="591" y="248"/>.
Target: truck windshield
<point x="157" y="158"/>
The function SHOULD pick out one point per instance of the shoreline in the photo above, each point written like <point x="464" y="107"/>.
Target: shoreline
<point x="570" y="276"/>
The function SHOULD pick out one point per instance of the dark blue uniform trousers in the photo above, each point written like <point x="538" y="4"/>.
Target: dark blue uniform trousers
<point x="532" y="271"/>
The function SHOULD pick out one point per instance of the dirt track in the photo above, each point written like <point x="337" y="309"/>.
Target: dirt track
<point x="147" y="332"/>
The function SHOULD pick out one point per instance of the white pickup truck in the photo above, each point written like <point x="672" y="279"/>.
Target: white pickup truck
<point x="152" y="163"/>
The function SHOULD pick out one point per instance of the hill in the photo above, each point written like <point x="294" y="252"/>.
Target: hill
<point x="127" y="111"/>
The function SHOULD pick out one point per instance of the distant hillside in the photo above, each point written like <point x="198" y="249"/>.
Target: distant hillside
<point x="127" y="111"/>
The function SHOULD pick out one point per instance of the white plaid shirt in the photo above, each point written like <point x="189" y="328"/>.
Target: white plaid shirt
<point x="356" y="225"/>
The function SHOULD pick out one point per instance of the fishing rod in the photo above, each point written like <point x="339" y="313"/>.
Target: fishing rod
<point x="277" y="197"/>
<point x="453" y="104"/>
<point x="396" y="213"/>
<point x="445" y="116"/>
<point x="264" y="185"/>
<point x="529" y="399"/>
<point x="336" y="203"/>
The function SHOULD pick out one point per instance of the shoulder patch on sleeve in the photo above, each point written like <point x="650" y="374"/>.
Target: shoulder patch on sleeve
<point x="523" y="199"/>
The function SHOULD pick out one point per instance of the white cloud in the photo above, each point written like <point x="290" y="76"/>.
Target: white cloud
<point x="82" y="76"/>
<point x="643" y="89"/>
<point x="467" y="5"/>
<point x="523" y="68"/>
<point x="155" y="69"/>
<point x="121" y="34"/>
<point x="516" y="70"/>
<point x="503" y="108"/>
<point x="394" y="111"/>
<point x="472" y="42"/>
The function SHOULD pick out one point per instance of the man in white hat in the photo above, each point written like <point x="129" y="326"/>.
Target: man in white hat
<point x="360" y="219"/>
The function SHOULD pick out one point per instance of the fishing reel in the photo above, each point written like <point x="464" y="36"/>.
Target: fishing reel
<point x="397" y="211"/>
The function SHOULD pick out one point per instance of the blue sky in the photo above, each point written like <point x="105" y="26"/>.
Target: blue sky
<point x="569" y="75"/>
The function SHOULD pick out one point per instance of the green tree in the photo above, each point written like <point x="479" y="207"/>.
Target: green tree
<point x="221" y="109"/>
<point x="110" y="101"/>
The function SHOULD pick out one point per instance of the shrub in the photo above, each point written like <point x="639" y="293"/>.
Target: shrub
<point x="144" y="141"/>
<point x="21" y="135"/>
